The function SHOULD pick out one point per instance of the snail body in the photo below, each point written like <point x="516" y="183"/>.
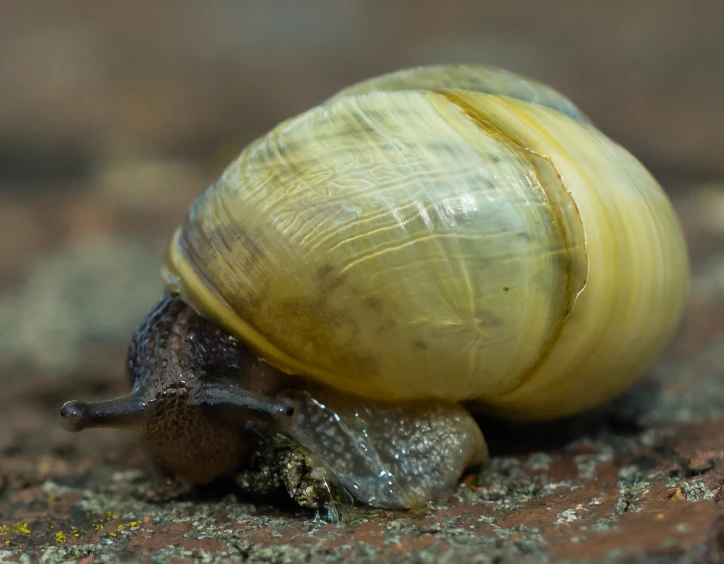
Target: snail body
<point x="431" y="237"/>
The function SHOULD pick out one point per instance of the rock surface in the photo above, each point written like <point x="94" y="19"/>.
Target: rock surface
<point x="86" y="220"/>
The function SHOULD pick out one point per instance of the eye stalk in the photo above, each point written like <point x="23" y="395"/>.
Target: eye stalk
<point x="195" y="392"/>
<point x="126" y="412"/>
<point x="230" y="403"/>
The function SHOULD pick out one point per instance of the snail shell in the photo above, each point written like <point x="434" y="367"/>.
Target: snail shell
<point x="453" y="232"/>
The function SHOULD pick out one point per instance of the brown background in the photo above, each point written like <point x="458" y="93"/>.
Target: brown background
<point x="113" y="116"/>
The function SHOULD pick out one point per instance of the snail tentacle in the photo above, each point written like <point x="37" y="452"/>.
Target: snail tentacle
<point x="229" y="402"/>
<point x="125" y="412"/>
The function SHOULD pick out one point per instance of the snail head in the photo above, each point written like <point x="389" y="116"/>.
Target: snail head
<point x="198" y="395"/>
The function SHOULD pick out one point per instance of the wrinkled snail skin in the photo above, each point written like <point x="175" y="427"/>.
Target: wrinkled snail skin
<point x="431" y="237"/>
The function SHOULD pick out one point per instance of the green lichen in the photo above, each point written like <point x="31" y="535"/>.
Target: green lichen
<point x="632" y="484"/>
<point x="506" y="485"/>
<point x="697" y="490"/>
<point x="587" y="464"/>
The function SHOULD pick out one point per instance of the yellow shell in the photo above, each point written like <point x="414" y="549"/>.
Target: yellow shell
<point x="454" y="232"/>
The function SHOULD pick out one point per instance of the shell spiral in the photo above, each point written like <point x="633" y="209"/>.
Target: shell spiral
<point x="454" y="232"/>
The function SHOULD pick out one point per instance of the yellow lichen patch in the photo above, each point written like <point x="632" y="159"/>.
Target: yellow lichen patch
<point x="4" y="529"/>
<point x="128" y="525"/>
<point x="22" y="528"/>
<point x="60" y="537"/>
<point x="101" y="523"/>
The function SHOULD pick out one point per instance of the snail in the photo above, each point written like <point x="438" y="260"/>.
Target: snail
<point x="422" y="246"/>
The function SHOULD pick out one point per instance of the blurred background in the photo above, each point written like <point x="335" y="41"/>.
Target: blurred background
<point x="115" y="115"/>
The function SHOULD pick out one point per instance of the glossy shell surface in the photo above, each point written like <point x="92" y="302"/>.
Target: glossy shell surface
<point x="442" y="232"/>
